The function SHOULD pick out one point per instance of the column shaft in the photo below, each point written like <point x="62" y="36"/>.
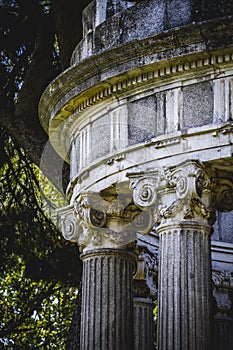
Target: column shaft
<point x="184" y="287"/>
<point x="107" y="305"/>
<point x="223" y="334"/>
<point x="143" y="323"/>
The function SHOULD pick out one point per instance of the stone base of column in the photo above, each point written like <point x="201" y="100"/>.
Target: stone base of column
<point x="184" y="287"/>
<point x="107" y="304"/>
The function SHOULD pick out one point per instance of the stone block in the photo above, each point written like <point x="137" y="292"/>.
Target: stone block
<point x="223" y="228"/>
<point x="142" y="120"/>
<point x="100" y="138"/>
<point x="197" y="105"/>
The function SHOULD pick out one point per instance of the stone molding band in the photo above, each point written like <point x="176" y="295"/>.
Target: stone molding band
<point x="124" y="253"/>
<point x="76" y="105"/>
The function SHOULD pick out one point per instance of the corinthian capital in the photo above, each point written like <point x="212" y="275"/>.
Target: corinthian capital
<point x="186" y="193"/>
<point x="188" y="179"/>
<point x="94" y="222"/>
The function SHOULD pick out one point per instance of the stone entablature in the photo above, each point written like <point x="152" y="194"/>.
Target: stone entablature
<point x="70" y="102"/>
<point x="101" y="80"/>
<point x="145" y="113"/>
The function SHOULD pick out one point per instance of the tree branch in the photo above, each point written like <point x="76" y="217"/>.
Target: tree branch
<point x="14" y="323"/>
<point x="33" y="141"/>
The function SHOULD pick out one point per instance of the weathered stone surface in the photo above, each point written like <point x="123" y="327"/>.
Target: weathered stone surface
<point x="185" y="214"/>
<point x="143" y="303"/>
<point x="143" y="324"/>
<point x="147" y="18"/>
<point x="223" y="227"/>
<point x="142" y="120"/>
<point x="185" y="288"/>
<point x="100" y="138"/>
<point x="223" y="311"/>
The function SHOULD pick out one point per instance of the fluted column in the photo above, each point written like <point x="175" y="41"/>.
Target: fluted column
<point x="182" y="199"/>
<point x="185" y="215"/>
<point x="223" y="320"/>
<point x="184" y="287"/>
<point x="143" y="303"/>
<point x="105" y="232"/>
<point x="107" y="308"/>
<point x="143" y="317"/>
<point x="143" y="323"/>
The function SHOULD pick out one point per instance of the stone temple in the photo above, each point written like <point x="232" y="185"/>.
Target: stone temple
<point x="144" y="116"/>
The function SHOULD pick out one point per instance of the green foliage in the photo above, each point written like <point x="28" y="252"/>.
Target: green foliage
<point x="38" y="268"/>
<point x="155" y="316"/>
<point x="34" y="314"/>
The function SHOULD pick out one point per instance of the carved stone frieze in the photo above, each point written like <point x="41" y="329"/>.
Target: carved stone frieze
<point x="222" y="291"/>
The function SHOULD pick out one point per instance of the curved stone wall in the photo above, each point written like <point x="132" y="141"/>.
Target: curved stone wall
<point x="109" y="24"/>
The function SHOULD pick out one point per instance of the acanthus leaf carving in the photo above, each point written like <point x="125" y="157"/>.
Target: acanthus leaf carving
<point x="103" y="223"/>
<point x="171" y="210"/>
<point x="188" y="179"/>
<point x="201" y="209"/>
<point x="205" y="181"/>
<point x="186" y="192"/>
